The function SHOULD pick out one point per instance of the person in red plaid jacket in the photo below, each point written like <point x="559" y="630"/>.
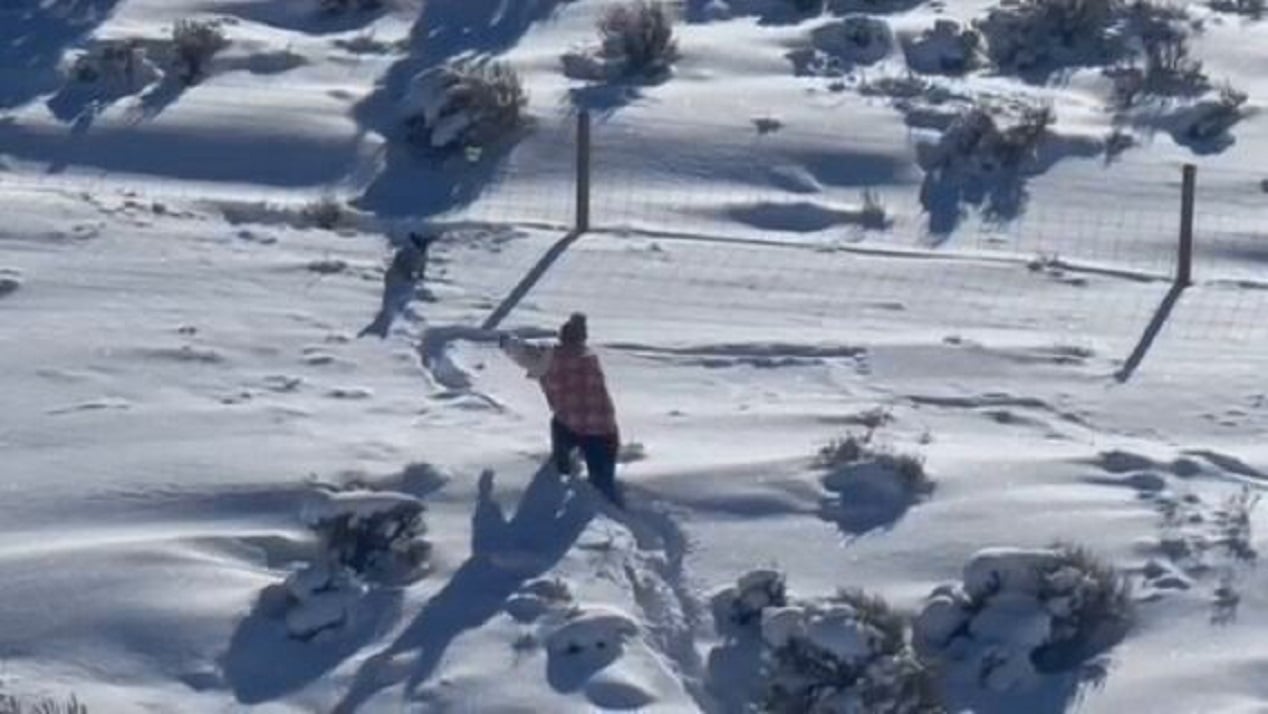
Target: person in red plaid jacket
<point x="583" y="416"/>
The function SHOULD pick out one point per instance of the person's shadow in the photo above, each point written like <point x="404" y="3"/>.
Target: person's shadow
<point x="504" y="555"/>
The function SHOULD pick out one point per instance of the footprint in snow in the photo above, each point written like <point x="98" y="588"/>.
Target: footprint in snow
<point x="350" y="393"/>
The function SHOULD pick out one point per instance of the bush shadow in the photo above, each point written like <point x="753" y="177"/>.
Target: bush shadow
<point x="505" y="553"/>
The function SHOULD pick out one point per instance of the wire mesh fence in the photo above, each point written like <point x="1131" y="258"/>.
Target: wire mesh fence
<point x="816" y="225"/>
<point x="807" y="226"/>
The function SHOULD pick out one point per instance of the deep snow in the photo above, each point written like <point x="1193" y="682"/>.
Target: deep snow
<point x="180" y="357"/>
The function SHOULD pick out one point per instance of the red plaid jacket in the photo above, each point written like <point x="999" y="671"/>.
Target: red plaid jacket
<point x="574" y="386"/>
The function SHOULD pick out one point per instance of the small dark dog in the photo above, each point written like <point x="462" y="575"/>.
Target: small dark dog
<point x="408" y="268"/>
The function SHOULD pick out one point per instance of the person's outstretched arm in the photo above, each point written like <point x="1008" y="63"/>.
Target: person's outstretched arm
<point x="533" y="358"/>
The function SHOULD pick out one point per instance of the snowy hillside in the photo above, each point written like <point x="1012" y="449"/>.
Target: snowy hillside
<point x="866" y="277"/>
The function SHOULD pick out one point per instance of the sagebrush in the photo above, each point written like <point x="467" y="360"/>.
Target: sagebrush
<point x="466" y="104"/>
<point x="850" y="653"/>
<point x="642" y="34"/>
<point x="194" y="43"/>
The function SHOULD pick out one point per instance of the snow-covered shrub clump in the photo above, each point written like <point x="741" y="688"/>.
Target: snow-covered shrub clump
<point x="1027" y="35"/>
<point x="194" y="43"/>
<point x="462" y="105"/>
<point x="539" y="597"/>
<point x="838" y="47"/>
<point x="1021" y="613"/>
<point x="377" y="535"/>
<point x="366" y="537"/>
<point x="854" y="459"/>
<point x="976" y="144"/>
<point x="742" y="604"/>
<point x="947" y="48"/>
<point x="636" y="39"/>
<point x="121" y="65"/>
<point x="844" y="655"/>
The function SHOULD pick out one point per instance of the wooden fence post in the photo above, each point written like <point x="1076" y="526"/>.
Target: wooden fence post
<point x="583" y="171"/>
<point x="1184" y="265"/>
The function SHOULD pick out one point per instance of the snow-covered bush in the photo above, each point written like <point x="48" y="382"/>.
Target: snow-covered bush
<point x="1033" y="34"/>
<point x="462" y="105"/>
<point x="976" y="144"/>
<point x="844" y="655"/>
<point x="636" y="40"/>
<point x="853" y="459"/>
<point x="326" y="213"/>
<point x="947" y="47"/>
<point x="1020" y="613"/>
<point x="365" y="537"/>
<point x="755" y="592"/>
<point x="194" y="43"/>
<point x="376" y="535"/>
<point x="642" y="33"/>
<point x="1168" y="68"/>
<point x="115" y="64"/>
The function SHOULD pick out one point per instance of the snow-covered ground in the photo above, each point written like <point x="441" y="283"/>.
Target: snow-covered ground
<point x="181" y="366"/>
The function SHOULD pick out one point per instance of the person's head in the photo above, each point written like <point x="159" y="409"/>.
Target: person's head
<point x="573" y="333"/>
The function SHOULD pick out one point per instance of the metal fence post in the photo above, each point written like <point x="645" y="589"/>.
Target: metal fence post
<point x="1184" y="267"/>
<point x="583" y="171"/>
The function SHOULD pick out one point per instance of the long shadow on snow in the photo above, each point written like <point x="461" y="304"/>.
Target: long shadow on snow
<point x="1056" y="694"/>
<point x="264" y="663"/>
<point x="33" y="36"/>
<point x="1000" y="194"/>
<point x="301" y="15"/>
<point x="409" y="183"/>
<point x="545" y="526"/>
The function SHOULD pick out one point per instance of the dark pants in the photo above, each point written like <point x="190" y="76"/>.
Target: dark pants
<point x="599" y="452"/>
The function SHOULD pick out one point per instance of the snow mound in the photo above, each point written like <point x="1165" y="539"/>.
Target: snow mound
<point x="1022" y="613"/>
<point x="590" y="630"/>
<point x="539" y="597"/>
<point x="743" y="603"/>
